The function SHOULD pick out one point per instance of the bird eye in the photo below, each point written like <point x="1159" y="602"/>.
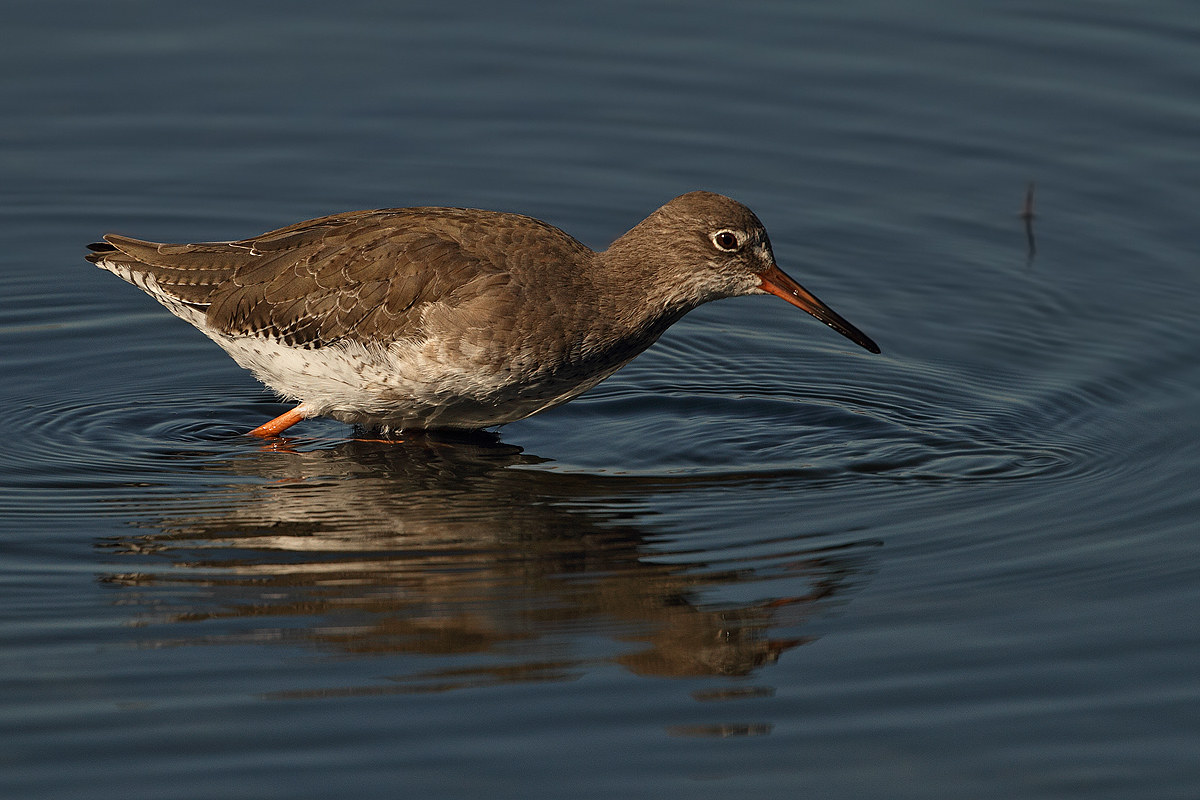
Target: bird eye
<point x="725" y="240"/>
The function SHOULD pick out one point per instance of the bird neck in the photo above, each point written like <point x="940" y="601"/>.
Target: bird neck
<point x="639" y="276"/>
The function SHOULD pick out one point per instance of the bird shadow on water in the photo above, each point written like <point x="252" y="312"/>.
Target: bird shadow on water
<point x="463" y="562"/>
<point x="470" y="565"/>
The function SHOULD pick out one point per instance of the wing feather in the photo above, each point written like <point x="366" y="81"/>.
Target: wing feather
<point x="361" y="276"/>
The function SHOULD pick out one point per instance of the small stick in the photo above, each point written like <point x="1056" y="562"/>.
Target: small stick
<point x="1027" y="215"/>
<point x="1027" y="209"/>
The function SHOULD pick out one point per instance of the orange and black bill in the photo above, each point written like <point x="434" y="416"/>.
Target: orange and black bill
<point x="775" y="281"/>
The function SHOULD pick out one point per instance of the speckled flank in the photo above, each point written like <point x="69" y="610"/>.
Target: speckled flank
<point x="396" y="386"/>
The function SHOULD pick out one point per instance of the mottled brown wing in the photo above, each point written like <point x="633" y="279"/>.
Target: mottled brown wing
<point x="362" y="276"/>
<point x="355" y="277"/>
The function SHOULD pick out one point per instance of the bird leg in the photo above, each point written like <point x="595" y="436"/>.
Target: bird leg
<point x="281" y="423"/>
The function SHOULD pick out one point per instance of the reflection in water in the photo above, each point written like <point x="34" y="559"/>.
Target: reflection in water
<point x="459" y="552"/>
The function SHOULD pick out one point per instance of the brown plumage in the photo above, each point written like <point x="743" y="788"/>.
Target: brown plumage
<point x="450" y="317"/>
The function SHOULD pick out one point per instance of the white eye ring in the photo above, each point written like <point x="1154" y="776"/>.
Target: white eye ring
<point x="726" y="240"/>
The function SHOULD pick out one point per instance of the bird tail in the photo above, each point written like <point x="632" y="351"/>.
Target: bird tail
<point x="175" y="275"/>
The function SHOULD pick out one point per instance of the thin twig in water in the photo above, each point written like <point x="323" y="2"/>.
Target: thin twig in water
<point x="1027" y="215"/>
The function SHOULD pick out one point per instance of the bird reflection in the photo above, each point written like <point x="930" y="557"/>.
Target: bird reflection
<point x="466" y="553"/>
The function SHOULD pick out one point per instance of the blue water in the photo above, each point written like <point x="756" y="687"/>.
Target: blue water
<point x="758" y="560"/>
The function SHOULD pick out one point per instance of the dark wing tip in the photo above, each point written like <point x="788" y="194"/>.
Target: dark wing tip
<point x="101" y="247"/>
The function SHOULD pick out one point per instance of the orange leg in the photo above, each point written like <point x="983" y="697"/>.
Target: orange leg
<point x="281" y="423"/>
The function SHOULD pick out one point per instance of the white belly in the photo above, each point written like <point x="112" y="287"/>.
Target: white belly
<point x="403" y="385"/>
